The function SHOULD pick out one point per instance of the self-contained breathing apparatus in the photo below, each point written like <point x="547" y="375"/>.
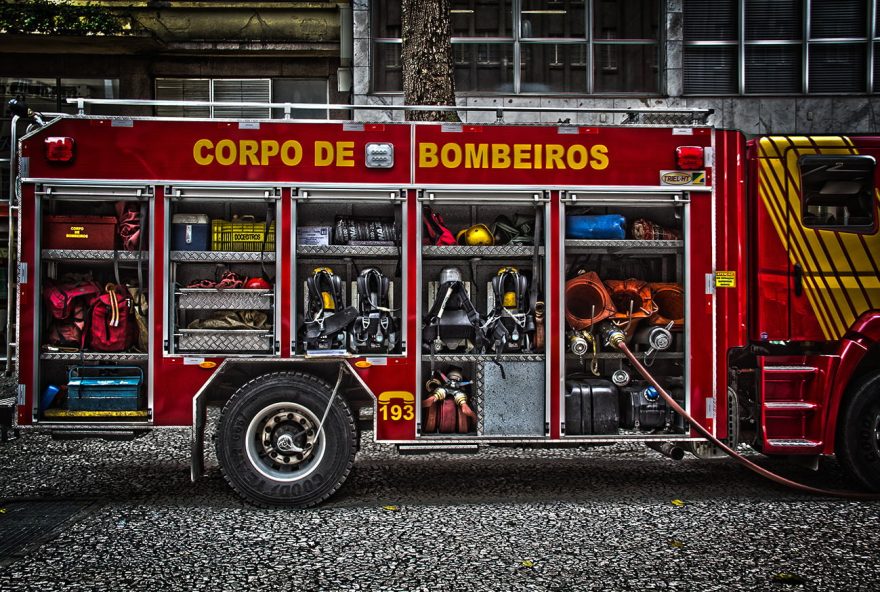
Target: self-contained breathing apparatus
<point x="453" y="321"/>
<point x="326" y="320"/>
<point x="510" y="325"/>
<point x="374" y="330"/>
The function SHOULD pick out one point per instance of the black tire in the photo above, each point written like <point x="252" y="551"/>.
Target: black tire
<point x="858" y="432"/>
<point x="268" y="446"/>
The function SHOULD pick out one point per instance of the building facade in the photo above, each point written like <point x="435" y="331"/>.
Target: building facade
<point x="257" y="51"/>
<point x="793" y="66"/>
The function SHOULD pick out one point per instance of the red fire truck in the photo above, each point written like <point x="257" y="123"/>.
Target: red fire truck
<point x="447" y="286"/>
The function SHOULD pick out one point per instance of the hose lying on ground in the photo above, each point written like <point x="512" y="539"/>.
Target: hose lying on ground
<point x="618" y="340"/>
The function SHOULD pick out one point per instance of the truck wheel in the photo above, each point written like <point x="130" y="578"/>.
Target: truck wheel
<point x="858" y="432"/>
<point x="268" y="444"/>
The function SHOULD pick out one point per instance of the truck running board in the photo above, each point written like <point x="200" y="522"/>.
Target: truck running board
<point x="411" y="449"/>
<point x="108" y="434"/>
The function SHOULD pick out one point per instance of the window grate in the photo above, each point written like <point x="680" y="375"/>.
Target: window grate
<point x="770" y="51"/>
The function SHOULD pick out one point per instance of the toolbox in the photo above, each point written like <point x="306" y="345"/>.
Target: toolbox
<point x="79" y="232"/>
<point x="190" y="232"/>
<point x="591" y="407"/>
<point x="243" y="234"/>
<point x="104" y="388"/>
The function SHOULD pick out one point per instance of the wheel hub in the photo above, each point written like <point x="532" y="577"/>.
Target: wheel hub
<point x="288" y="437"/>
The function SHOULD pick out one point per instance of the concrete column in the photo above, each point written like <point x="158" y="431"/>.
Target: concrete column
<point x="673" y="78"/>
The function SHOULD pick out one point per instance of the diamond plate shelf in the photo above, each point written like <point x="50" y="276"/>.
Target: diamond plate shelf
<point x="230" y="299"/>
<point x="220" y="256"/>
<point x="503" y="251"/>
<point x="219" y="340"/>
<point x="95" y="356"/>
<point x="450" y="358"/>
<point x="652" y="247"/>
<point x="349" y="251"/>
<point x="93" y="255"/>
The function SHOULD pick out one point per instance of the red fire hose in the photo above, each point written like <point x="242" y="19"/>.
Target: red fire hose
<point x="618" y="339"/>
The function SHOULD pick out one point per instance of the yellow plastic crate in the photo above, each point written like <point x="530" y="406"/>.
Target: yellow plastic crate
<point x="242" y="235"/>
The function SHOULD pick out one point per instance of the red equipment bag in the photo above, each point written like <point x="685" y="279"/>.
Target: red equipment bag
<point x="129" y="216"/>
<point x="436" y="233"/>
<point x="112" y="326"/>
<point x="62" y="296"/>
<point x="68" y="332"/>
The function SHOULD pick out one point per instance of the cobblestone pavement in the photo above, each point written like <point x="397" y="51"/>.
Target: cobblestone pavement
<point x="606" y="519"/>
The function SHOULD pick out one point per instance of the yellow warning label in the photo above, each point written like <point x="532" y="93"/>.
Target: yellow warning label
<point x="725" y="279"/>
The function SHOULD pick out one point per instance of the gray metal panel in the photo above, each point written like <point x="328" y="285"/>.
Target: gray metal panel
<point x="513" y="406"/>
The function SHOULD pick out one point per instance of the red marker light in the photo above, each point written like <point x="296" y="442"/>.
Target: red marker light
<point x="60" y="149"/>
<point x="689" y="158"/>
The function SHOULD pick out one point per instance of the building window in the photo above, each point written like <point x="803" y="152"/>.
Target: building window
<point x="49" y="95"/>
<point x="535" y="46"/>
<point x="784" y="47"/>
<point x="241" y="90"/>
<point x="838" y="192"/>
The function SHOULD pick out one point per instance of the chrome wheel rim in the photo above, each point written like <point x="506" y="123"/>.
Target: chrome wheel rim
<point x="282" y="442"/>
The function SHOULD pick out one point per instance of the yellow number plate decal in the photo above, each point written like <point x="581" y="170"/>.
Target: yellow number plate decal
<point x="397" y="406"/>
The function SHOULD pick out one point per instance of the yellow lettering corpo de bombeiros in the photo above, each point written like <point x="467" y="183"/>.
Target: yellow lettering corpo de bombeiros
<point x="517" y="156"/>
<point x="247" y="152"/>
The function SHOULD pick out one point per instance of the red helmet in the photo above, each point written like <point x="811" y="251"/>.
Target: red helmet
<point x="256" y="283"/>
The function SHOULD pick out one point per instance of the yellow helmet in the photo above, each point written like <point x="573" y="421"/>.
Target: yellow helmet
<point x="477" y="235"/>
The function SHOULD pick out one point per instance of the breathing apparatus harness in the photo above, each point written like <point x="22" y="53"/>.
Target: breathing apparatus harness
<point x="325" y="320"/>
<point x="454" y="313"/>
<point x="374" y="329"/>
<point x="511" y="323"/>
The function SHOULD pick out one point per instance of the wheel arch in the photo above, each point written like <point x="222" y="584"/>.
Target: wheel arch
<point x="236" y="372"/>
<point x="859" y="353"/>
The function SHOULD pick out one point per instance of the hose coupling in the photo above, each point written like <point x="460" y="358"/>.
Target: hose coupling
<point x="613" y="336"/>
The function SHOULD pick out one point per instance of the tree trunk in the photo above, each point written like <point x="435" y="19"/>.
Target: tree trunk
<point x="426" y="57"/>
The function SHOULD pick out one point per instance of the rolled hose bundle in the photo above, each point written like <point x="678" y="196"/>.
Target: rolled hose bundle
<point x="349" y="228"/>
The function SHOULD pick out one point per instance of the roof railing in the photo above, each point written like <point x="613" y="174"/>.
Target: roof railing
<point x="662" y="116"/>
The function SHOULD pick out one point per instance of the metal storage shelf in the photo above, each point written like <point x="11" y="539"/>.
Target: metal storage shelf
<point x="218" y="340"/>
<point x="651" y="247"/>
<point x="503" y="251"/>
<point x="93" y="255"/>
<point x="349" y="250"/>
<point x="221" y="256"/>
<point x="451" y="358"/>
<point x="220" y="299"/>
<point x="95" y="356"/>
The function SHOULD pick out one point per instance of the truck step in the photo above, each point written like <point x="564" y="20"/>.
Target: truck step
<point x="411" y="449"/>
<point x="791" y="369"/>
<point x="95" y="414"/>
<point x="790" y="405"/>
<point x="794" y="443"/>
<point x="83" y="434"/>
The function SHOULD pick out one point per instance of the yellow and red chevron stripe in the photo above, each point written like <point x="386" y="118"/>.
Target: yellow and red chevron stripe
<point x="842" y="269"/>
